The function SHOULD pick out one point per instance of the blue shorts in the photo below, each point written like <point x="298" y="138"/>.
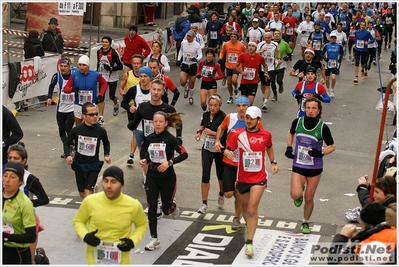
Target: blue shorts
<point x="139" y="135"/>
<point x="230" y="72"/>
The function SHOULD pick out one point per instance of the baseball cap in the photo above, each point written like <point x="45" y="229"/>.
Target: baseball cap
<point x="84" y="60"/>
<point x="191" y="33"/>
<point x="255" y="20"/>
<point x="261" y="10"/>
<point x="333" y="35"/>
<point x="311" y="69"/>
<point x="254" y="112"/>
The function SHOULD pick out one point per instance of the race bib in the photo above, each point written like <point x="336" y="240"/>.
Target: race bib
<point x="107" y="253"/>
<point x="148" y="127"/>
<point x="317" y="44"/>
<point x="187" y="57"/>
<point x="303" y="156"/>
<point x="207" y="71"/>
<point x="209" y="143"/>
<point x="213" y="35"/>
<point x="360" y="44"/>
<point x="87" y="145"/>
<point x="289" y="31"/>
<point x="269" y="59"/>
<point x="250" y="73"/>
<point x="332" y="64"/>
<point x="232" y="58"/>
<point x="8" y="228"/>
<point x="343" y="23"/>
<point x="67" y="98"/>
<point x="252" y="161"/>
<point x="351" y="32"/>
<point x="85" y="96"/>
<point x="157" y="152"/>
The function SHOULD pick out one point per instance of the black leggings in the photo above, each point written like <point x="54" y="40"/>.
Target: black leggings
<point x="166" y="185"/>
<point x="388" y="35"/>
<point x="361" y="57"/>
<point x="371" y="55"/>
<point x="207" y="159"/>
<point x="16" y="255"/>
<point x="112" y="89"/>
<point x="65" y="123"/>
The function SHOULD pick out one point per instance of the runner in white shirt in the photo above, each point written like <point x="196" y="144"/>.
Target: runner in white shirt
<point x="190" y="53"/>
<point x="305" y="28"/>
<point x="255" y="32"/>
<point x="198" y="37"/>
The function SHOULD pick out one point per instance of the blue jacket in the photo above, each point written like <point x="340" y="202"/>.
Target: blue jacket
<point x="214" y="26"/>
<point x="181" y="27"/>
<point x="361" y="37"/>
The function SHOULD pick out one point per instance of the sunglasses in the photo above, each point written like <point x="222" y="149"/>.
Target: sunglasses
<point x="92" y="114"/>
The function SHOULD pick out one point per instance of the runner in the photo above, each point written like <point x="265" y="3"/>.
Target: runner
<point x="270" y="51"/>
<point x="310" y="132"/>
<point x="108" y="64"/>
<point x="158" y="156"/>
<point x="307" y="89"/>
<point x="305" y="28"/>
<point x="84" y="84"/>
<point x="299" y="68"/>
<point x="290" y="23"/>
<point x="109" y="239"/>
<point x="129" y="80"/>
<point x="248" y="66"/>
<point x="362" y="39"/>
<point x="210" y="121"/>
<point x="252" y="144"/>
<point x="154" y="65"/>
<point x="87" y="137"/>
<point x="156" y="53"/>
<point x="209" y="70"/>
<point x="231" y="123"/>
<point x="317" y="39"/>
<point x="65" y="106"/>
<point x="332" y="55"/>
<point x="190" y="53"/>
<point x="230" y="52"/>
<point x="212" y="30"/>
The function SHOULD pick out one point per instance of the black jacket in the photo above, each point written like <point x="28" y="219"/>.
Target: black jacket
<point x="33" y="48"/>
<point x="52" y="41"/>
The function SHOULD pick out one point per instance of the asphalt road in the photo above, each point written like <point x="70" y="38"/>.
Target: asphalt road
<point x="352" y="117"/>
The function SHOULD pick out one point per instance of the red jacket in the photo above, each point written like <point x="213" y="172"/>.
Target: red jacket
<point x="136" y="45"/>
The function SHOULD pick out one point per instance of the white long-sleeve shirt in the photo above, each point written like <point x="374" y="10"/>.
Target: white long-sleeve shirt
<point x="189" y="51"/>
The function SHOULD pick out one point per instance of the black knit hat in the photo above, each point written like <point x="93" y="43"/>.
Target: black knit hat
<point x="15" y="167"/>
<point x="373" y="213"/>
<point x="114" y="172"/>
<point x="108" y="38"/>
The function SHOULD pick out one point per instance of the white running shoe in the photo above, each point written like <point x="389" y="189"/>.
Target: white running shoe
<point x="331" y="93"/>
<point x="220" y="201"/>
<point x="154" y="243"/>
<point x="203" y="209"/>
<point x="176" y="213"/>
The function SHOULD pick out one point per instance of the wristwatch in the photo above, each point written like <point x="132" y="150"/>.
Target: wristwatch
<point x="273" y="162"/>
<point x="170" y="163"/>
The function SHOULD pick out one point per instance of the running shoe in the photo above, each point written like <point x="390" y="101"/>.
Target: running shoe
<point x="100" y="120"/>
<point x="185" y="91"/>
<point x="264" y="105"/>
<point x="191" y="100"/>
<point x="356" y="80"/>
<point x="280" y="89"/>
<point x="116" y="108"/>
<point x="363" y="75"/>
<point x="235" y="224"/>
<point x="154" y="244"/>
<point x="298" y="202"/>
<point x="203" y="209"/>
<point x="249" y="250"/>
<point x="159" y="210"/>
<point x="332" y="93"/>
<point x="176" y="213"/>
<point x="274" y="99"/>
<point x="236" y="93"/>
<point x="230" y="101"/>
<point x="305" y="228"/>
<point x="220" y="202"/>
<point x="130" y="159"/>
<point x="224" y="81"/>
<point x="374" y="63"/>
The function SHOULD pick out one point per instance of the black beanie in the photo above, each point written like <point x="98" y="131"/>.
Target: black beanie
<point x="108" y="38"/>
<point x="373" y="213"/>
<point x="15" y="167"/>
<point x="114" y="172"/>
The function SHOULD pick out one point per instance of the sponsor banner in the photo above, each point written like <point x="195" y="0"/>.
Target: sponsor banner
<point x="34" y="79"/>
<point x="272" y="247"/>
<point x="71" y="8"/>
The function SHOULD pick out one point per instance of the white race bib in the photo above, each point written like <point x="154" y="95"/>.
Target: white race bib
<point x="85" y="96"/>
<point x="148" y="127"/>
<point x="252" y="161"/>
<point x="360" y="44"/>
<point x="107" y="253"/>
<point x="289" y="31"/>
<point x="209" y="143"/>
<point x="332" y="64"/>
<point x="317" y="44"/>
<point x="157" y="152"/>
<point x="207" y="71"/>
<point x="250" y="73"/>
<point x="232" y="58"/>
<point x="187" y="57"/>
<point x="87" y="145"/>
<point x="303" y="156"/>
<point x="67" y="98"/>
<point x="213" y="35"/>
